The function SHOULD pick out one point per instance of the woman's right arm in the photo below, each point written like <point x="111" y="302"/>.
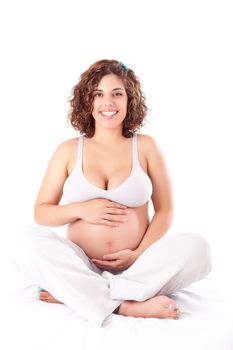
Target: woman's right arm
<point x="49" y="212"/>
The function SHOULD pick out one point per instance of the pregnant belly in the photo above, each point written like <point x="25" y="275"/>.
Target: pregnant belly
<point x="97" y="240"/>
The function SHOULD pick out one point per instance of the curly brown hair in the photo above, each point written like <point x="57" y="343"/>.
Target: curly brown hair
<point x="81" y="101"/>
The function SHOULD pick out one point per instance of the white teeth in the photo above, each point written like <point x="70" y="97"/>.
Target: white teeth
<point x="108" y="114"/>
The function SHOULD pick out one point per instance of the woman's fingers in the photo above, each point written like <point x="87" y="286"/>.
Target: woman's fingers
<point x="115" y="204"/>
<point x="115" y="218"/>
<point x="111" y="256"/>
<point x="108" y="223"/>
<point x="117" y="211"/>
<point x="104" y="263"/>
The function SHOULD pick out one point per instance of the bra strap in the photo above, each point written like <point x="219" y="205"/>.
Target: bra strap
<point x="135" y="150"/>
<point x="80" y="153"/>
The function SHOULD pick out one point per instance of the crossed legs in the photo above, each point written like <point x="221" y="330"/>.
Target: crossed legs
<point x="170" y="264"/>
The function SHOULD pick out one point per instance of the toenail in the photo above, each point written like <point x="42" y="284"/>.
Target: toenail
<point x="39" y="291"/>
<point x="170" y="307"/>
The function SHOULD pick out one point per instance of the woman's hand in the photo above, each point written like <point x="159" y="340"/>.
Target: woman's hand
<point x="118" y="261"/>
<point x="103" y="212"/>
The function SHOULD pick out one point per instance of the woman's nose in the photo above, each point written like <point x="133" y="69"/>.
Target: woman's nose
<point x="108" y="103"/>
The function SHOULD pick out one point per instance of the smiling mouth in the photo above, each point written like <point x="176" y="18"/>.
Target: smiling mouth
<point x="108" y="114"/>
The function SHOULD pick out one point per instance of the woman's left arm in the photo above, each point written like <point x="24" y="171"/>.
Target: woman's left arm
<point x="162" y="198"/>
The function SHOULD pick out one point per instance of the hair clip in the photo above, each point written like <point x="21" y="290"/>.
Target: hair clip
<point x="124" y="66"/>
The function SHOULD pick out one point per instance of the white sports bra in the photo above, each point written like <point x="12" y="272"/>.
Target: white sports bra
<point x="134" y="191"/>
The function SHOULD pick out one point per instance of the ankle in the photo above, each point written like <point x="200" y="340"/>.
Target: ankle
<point x="124" y="308"/>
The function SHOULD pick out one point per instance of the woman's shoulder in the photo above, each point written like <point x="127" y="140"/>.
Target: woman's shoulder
<point x="145" y="137"/>
<point x="66" y="147"/>
<point x="152" y="152"/>
<point x="147" y="142"/>
<point x="150" y="148"/>
<point x="69" y="142"/>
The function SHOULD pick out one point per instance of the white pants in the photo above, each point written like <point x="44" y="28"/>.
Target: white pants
<point x="63" y="269"/>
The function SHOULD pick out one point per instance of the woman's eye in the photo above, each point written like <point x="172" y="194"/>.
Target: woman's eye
<point x="97" y="94"/>
<point x="100" y="94"/>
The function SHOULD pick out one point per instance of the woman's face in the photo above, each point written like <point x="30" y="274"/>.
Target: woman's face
<point x="110" y="102"/>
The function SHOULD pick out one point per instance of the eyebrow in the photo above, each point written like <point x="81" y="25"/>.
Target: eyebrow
<point x="112" y="89"/>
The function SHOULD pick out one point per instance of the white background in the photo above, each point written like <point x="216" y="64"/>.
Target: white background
<point x="182" y="52"/>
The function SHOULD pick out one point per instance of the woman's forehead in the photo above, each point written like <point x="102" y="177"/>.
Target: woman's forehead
<point x="111" y="81"/>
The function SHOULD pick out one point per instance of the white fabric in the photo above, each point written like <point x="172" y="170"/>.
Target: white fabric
<point x="134" y="191"/>
<point x="61" y="267"/>
<point x="30" y="324"/>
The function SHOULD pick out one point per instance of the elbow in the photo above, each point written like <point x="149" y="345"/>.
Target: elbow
<point x="38" y="216"/>
<point x="38" y="221"/>
<point x="166" y="216"/>
<point x="170" y="216"/>
<point x="44" y="217"/>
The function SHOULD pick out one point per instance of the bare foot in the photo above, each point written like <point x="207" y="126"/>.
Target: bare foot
<point x="156" y="307"/>
<point x="46" y="296"/>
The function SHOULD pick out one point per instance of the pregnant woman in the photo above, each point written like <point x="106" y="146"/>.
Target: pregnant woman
<point x="114" y="258"/>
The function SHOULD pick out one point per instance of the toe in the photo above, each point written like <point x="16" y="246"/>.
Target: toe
<point x="172" y="311"/>
<point x="177" y="314"/>
<point x="43" y="295"/>
<point x="171" y="307"/>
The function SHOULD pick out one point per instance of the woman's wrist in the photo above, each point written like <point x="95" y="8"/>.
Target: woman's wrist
<point x="76" y="210"/>
<point x="137" y="252"/>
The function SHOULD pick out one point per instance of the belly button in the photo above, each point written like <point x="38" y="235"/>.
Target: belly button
<point x="109" y="243"/>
